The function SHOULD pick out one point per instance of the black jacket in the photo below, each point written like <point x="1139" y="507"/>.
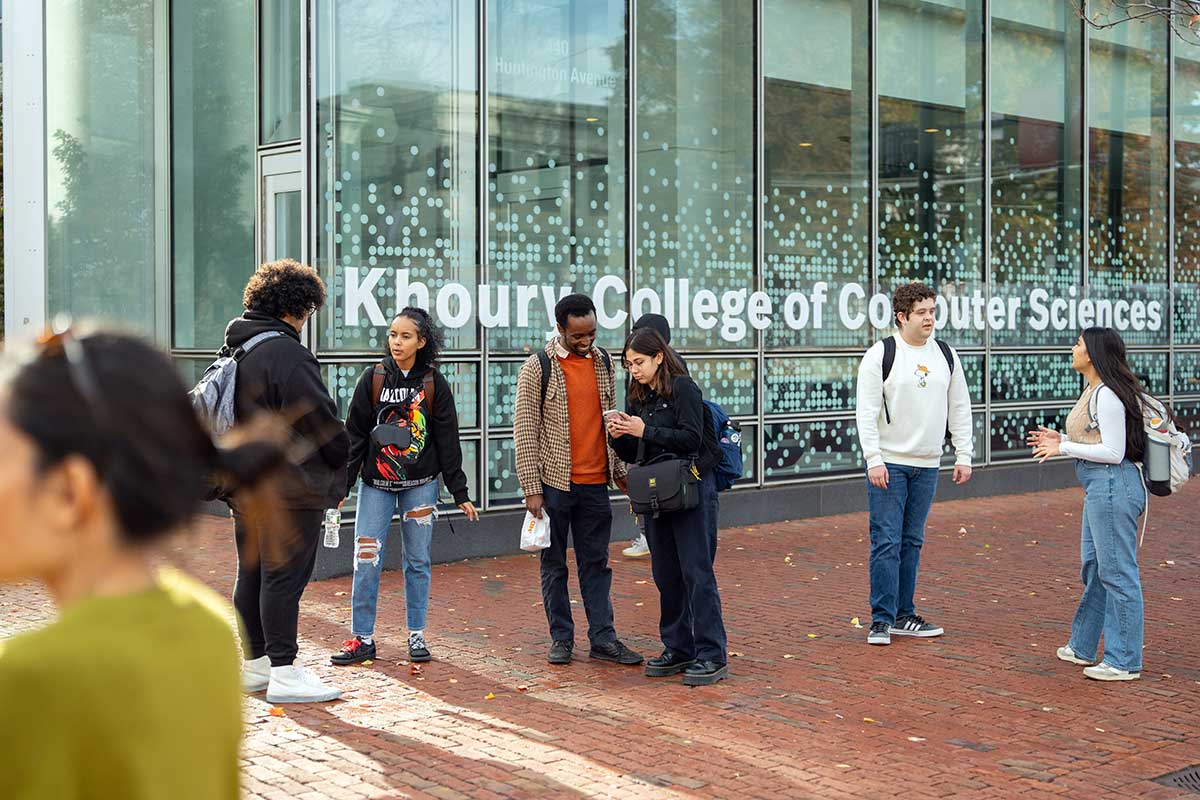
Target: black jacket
<point x="281" y="375"/>
<point x="674" y="426"/>
<point x="436" y="447"/>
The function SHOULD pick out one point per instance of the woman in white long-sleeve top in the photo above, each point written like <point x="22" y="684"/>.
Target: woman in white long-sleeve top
<point x="1107" y="440"/>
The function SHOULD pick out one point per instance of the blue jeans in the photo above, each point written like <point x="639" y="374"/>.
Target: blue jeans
<point x="1114" y="498"/>
<point x="897" y="533"/>
<point x="371" y="521"/>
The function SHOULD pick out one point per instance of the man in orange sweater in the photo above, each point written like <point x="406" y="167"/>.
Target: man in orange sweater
<point x="565" y="466"/>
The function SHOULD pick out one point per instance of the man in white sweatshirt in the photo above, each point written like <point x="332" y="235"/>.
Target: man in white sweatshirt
<point x="911" y="389"/>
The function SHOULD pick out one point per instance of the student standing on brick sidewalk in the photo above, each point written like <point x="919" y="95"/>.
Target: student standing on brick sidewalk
<point x="281" y="376"/>
<point x="665" y="418"/>
<point x="1106" y="453"/>
<point x="133" y="690"/>
<point x="565" y="466"/>
<point x="902" y="420"/>
<point x="403" y="428"/>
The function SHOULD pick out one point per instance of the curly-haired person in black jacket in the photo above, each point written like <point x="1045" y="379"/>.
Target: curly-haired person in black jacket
<point x="279" y="375"/>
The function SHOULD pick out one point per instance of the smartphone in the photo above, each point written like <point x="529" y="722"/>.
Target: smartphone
<point x="610" y="414"/>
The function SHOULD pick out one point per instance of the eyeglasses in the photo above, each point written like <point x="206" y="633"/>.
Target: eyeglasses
<point x="63" y="340"/>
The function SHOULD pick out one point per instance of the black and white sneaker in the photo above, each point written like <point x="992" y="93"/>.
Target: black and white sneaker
<point x="879" y="633"/>
<point x="914" y="626"/>
<point x="418" y="652"/>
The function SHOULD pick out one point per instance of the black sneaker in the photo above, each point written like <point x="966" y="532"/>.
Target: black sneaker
<point x="354" y="651"/>
<point x="560" y="651"/>
<point x="879" y="633"/>
<point x="914" y="626"/>
<point x="669" y="663"/>
<point x="704" y="673"/>
<point x="417" y="650"/>
<point x="616" y="652"/>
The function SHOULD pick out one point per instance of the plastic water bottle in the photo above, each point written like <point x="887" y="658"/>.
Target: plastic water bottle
<point x="333" y="526"/>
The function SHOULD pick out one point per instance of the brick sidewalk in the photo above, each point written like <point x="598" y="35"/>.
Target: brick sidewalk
<point x="810" y="711"/>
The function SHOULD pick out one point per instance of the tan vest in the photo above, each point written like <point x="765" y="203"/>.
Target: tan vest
<point x="1078" y="421"/>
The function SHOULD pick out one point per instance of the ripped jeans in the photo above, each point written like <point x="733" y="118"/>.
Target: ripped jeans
<point x="371" y="522"/>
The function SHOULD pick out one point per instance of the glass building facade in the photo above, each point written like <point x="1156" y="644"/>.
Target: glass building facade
<point x="764" y="172"/>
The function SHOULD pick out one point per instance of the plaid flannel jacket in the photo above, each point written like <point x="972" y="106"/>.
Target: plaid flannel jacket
<point x="543" y="436"/>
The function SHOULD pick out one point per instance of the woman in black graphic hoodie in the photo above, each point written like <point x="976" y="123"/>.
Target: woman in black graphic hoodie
<point x="403" y="430"/>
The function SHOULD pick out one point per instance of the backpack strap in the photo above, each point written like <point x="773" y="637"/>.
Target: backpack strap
<point x="544" y="361"/>
<point x="380" y="373"/>
<point x="377" y="378"/>
<point x="889" y="358"/>
<point x="239" y="352"/>
<point x="945" y="348"/>
<point x="1094" y="409"/>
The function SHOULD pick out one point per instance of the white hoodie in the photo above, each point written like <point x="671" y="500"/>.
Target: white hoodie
<point x="921" y="397"/>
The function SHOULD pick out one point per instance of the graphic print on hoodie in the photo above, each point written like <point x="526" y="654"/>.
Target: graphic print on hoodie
<point x="402" y="406"/>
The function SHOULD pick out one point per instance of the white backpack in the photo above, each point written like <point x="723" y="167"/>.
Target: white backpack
<point x="1167" y="463"/>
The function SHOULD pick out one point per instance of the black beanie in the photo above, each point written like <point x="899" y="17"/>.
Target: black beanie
<point x="657" y="322"/>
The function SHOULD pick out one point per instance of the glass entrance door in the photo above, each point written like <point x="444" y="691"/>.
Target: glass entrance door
<point x="282" y="208"/>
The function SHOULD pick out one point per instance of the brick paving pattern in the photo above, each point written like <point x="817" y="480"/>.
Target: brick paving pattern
<point x="810" y="711"/>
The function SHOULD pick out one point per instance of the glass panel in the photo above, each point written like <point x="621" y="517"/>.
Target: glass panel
<point x="728" y="382"/>
<point x="463" y="377"/>
<point x="212" y="166"/>
<point x="396" y="169"/>
<point x="978" y="442"/>
<point x="287" y="225"/>
<point x="1127" y="176"/>
<point x="191" y="369"/>
<point x="502" y="392"/>
<point x="503" y="484"/>
<point x="1187" y="373"/>
<point x="972" y="366"/>
<point x="931" y="145"/>
<point x="1188" y="415"/>
<point x="695" y="181"/>
<point x="808" y="384"/>
<point x="470" y="465"/>
<point x="749" y="456"/>
<point x="100" y="166"/>
<point x="1151" y="369"/>
<point x="1037" y="176"/>
<point x="556" y="159"/>
<point x="1009" y="428"/>
<point x="1186" y="114"/>
<point x="806" y="449"/>
<point x="282" y="27"/>
<point x="817" y="148"/>
<point x="1034" y="378"/>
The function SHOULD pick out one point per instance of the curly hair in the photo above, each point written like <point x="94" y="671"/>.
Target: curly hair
<point x="908" y="295"/>
<point x="428" y="355"/>
<point x="573" y="305"/>
<point x="284" y="289"/>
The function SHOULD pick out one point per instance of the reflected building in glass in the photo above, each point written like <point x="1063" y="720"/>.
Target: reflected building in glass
<point x="763" y="172"/>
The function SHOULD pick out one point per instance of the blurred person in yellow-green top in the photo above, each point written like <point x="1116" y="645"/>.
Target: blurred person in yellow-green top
<point x="133" y="692"/>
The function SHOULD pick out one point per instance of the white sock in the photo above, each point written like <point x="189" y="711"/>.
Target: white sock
<point x="420" y="632"/>
<point x="366" y="639"/>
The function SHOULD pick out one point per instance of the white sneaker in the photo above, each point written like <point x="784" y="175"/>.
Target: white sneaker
<point x="1104" y="672"/>
<point x="295" y="684"/>
<point x="256" y="674"/>
<point x="1065" y="653"/>
<point x="638" y="548"/>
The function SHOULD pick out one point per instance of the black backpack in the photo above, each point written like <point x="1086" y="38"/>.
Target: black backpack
<point x="889" y="358"/>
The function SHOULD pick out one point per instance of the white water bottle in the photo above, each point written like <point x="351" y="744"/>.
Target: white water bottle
<point x="333" y="525"/>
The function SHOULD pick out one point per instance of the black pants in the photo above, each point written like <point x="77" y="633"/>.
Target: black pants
<point x="682" y="548"/>
<point x="586" y="513"/>
<point x="266" y="595"/>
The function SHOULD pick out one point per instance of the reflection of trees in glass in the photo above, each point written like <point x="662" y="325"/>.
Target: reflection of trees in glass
<point x="1183" y="16"/>
<point x="100" y="228"/>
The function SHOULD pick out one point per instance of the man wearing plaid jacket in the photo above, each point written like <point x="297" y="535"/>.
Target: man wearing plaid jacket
<point x="565" y="466"/>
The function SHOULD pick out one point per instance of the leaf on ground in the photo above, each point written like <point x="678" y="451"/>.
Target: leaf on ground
<point x="962" y="530"/>
<point x="788" y="655"/>
<point x="414" y="669"/>
<point x="339" y="594"/>
<point x="843" y="766"/>
<point x="640" y="583"/>
<point x="368" y="663"/>
<point x="489" y="696"/>
<point x="522" y="688"/>
<point x="787" y="559"/>
<point x="916" y="738"/>
<point x="454" y="680"/>
<point x="736" y="654"/>
<point x="854" y="621"/>
<point x="278" y="712"/>
<point x="812" y="635"/>
<point x="868" y="720"/>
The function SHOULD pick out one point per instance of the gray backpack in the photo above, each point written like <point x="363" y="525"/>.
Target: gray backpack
<point x="212" y="397"/>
